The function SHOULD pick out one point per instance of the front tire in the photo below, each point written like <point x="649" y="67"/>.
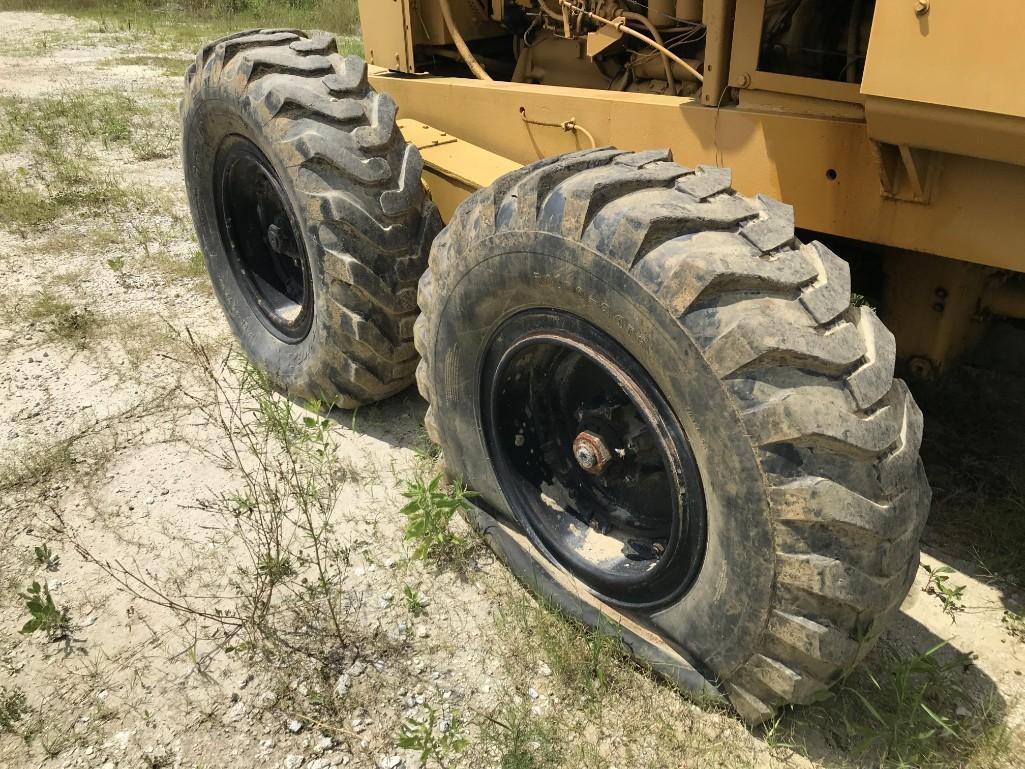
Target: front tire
<point x="812" y="493"/>
<point x="310" y="212"/>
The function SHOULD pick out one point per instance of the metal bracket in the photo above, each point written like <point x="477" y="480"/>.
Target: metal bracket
<point x="906" y="173"/>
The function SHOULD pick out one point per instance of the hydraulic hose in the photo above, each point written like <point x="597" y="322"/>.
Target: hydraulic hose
<point x="464" y="50"/>
<point x="622" y="27"/>
<point x="658" y="39"/>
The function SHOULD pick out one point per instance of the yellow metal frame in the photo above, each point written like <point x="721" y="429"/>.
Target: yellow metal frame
<point x="825" y="167"/>
<point x="744" y="72"/>
<point x="921" y="181"/>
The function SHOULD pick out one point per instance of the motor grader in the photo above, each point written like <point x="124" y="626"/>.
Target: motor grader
<point x="629" y="250"/>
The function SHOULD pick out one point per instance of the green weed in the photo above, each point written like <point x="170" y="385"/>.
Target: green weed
<point x="46" y="617"/>
<point x="939" y="584"/>
<point x="414" y="603"/>
<point x="513" y="738"/>
<point x="429" y="514"/>
<point x="905" y="709"/>
<point x="434" y="738"/>
<point x="46" y="557"/>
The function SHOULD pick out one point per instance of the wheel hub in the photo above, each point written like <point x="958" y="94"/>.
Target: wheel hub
<point x="592" y="459"/>
<point x="591" y="453"/>
<point x="260" y="236"/>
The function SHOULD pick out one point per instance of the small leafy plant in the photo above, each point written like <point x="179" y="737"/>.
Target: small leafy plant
<point x="117" y="263"/>
<point x="46" y="618"/>
<point x="46" y="557"/>
<point x="433" y="737"/>
<point x="428" y="515"/>
<point x="414" y="603"/>
<point x="939" y="585"/>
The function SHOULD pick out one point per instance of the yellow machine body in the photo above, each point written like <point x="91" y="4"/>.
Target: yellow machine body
<point x="916" y="152"/>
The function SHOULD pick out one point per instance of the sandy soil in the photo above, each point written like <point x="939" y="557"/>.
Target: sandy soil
<point x="136" y="684"/>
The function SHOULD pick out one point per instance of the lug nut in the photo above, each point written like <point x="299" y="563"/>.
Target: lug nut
<point x="591" y="453"/>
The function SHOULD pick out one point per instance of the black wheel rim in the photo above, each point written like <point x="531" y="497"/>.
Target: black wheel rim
<point x="262" y="239"/>
<point x="590" y="455"/>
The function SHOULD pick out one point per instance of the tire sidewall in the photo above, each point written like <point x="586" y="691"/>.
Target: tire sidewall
<point x="211" y="119"/>
<point x="719" y="621"/>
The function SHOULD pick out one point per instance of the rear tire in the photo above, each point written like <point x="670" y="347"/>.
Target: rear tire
<point x="310" y="212"/>
<point x="807" y="448"/>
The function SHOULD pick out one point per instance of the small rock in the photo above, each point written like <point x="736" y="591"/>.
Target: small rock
<point x="267" y="744"/>
<point x="324" y="744"/>
<point x="295" y="726"/>
<point x="421" y="631"/>
<point x="267" y="700"/>
<point x="532" y="692"/>
<point x="357" y="668"/>
<point x="391" y="762"/>
<point x="343" y="684"/>
<point x="121" y="739"/>
<point x="962" y="712"/>
<point x="235" y="713"/>
<point x="544" y="670"/>
<point x="292" y="761"/>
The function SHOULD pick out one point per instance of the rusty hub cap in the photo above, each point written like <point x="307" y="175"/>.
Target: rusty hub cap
<point x="591" y="453"/>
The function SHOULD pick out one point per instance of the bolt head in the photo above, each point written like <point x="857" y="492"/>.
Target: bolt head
<point x="922" y="7"/>
<point x="586" y="458"/>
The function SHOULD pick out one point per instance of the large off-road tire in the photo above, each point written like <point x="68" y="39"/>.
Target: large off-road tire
<point x="806" y="447"/>
<point x="310" y="212"/>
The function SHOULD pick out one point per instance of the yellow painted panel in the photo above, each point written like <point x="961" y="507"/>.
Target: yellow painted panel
<point x="961" y="53"/>
<point x="386" y="36"/>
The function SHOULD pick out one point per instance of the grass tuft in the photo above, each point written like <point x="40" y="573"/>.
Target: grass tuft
<point x="512" y="737"/>
<point x="904" y="708"/>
